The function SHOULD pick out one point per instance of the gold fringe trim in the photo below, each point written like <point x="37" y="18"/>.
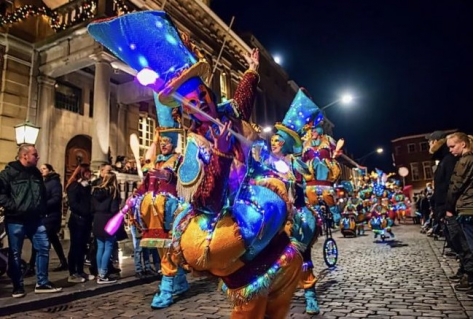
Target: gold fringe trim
<point x="186" y="192"/>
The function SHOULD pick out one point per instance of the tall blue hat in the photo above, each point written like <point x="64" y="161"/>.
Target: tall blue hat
<point x="148" y="40"/>
<point x="168" y="125"/>
<point x="302" y="111"/>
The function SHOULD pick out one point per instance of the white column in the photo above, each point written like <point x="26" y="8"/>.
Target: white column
<point x="45" y="113"/>
<point x="101" y="119"/>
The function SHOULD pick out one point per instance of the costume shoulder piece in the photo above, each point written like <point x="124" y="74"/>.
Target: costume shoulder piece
<point x="190" y="173"/>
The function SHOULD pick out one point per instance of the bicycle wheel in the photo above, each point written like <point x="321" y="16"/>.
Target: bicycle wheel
<point x="330" y="252"/>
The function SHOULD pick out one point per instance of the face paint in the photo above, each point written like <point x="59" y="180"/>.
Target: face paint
<point x="276" y="144"/>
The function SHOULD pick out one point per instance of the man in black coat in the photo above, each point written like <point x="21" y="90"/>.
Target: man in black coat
<point x="442" y="176"/>
<point x="23" y="198"/>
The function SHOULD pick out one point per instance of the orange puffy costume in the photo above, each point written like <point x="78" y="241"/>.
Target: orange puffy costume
<point x="207" y="238"/>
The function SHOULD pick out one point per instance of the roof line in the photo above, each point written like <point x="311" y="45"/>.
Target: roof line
<point x="420" y="135"/>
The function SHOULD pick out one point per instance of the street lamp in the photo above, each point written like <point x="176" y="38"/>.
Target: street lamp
<point x="267" y="129"/>
<point x="379" y="150"/>
<point x="26" y="133"/>
<point x="345" y="99"/>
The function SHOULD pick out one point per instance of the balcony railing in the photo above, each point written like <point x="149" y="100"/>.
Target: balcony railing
<point x="127" y="182"/>
<point x="70" y="16"/>
<point x="80" y="11"/>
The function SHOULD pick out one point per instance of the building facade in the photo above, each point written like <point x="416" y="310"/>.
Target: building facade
<point x="87" y="102"/>
<point x="412" y="152"/>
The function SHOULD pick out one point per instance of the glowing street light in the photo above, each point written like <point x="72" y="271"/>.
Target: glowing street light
<point x="277" y="58"/>
<point x="379" y="150"/>
<point x="267" y="129"/>
<point x="345" y="99"/>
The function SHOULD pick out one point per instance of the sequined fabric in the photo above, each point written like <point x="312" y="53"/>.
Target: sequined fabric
<point x="145" y="39"/>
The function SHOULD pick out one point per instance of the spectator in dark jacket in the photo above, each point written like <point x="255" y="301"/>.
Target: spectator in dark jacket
<point x="105" y="169"/>
<point x="441" y="178"/>
<point x="53" y="217"/>
<point x="423" y="206"/>
<point x="105" y="204"/>
<point x="23" y="198"/>
<point x="459" y="205"/>
<point x="79" y="223"/>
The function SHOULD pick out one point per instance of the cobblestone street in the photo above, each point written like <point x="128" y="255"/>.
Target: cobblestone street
<point x="403" y="278"/>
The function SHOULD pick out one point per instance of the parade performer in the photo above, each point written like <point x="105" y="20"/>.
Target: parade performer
<point x="348" y="223"/>
<point x="400" y="204"/>
<point x="286" y="144"/>
<point x="319" y="153"/>
<point x="380" y="223"/>
<point x="156" y="199"/>
<point x="360" y="218"/>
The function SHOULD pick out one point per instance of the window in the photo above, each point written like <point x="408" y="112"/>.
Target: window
<point x="415" y="172"/>
<point x="68" y="97"/>
<point x="424" y="147"/>
<point x="224" y="89"/>
<point x="428" y="170"/>
<point x="411" y="148"/>
<point x="397" y="150"/>
<point x="146" y="130"/>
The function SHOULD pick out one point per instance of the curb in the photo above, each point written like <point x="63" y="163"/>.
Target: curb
<point x="55" y="299"/>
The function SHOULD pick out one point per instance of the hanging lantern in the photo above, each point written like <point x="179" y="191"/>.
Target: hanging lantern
<point x="26" y="133"/>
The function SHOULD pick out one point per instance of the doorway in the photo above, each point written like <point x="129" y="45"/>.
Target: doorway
<point x="78" y="151"/>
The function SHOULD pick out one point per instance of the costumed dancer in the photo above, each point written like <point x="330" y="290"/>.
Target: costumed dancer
<point x="158" y="200"/>
<point x="348" y="221"/>
<point x="400" y="204"/>
<point x="286" y="145"/>
<point x="360" y="217"/>
<point x="319" y="153"/>
<point x="380" y="223"/>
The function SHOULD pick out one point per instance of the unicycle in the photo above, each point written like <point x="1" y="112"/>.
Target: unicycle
<point x="330" y="251"/>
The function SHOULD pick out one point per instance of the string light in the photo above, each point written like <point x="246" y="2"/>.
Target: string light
<point x="25" y="12"/>
<point x="121" y="7"/>
<point x="84" y="12"/>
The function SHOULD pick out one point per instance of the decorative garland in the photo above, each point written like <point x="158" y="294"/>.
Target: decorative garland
<point x="86" y="12"/>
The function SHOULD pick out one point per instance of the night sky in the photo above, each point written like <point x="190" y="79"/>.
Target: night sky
<point x="409" y="63"/>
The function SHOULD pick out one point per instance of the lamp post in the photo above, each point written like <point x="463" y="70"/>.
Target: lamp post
<point x="345" y="99"/>
<point x="378" y="151"/>
<point x="26" y="133"/>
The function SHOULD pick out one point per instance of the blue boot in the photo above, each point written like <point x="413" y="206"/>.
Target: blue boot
<point x="165" y="298"/>
<point x="180" y="284"/>
<point x="312" y="307"/>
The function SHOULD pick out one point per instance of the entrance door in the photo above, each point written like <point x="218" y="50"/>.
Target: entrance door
<point x="78" y="151"/>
